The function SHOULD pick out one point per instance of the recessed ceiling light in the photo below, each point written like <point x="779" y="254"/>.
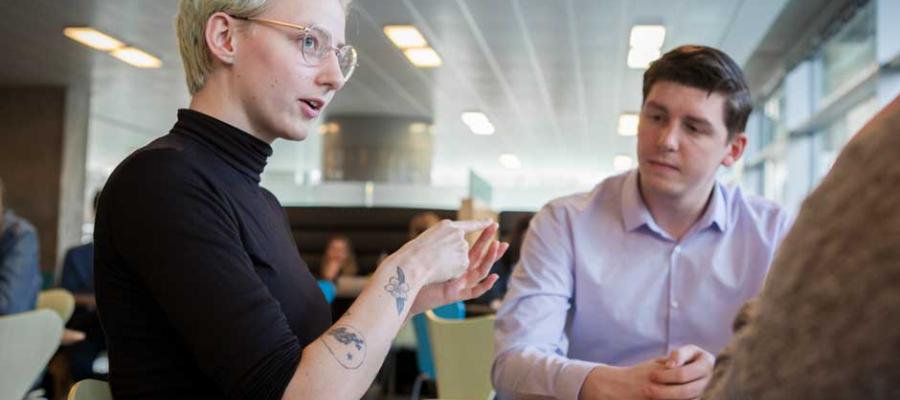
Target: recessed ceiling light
<point x="622" y="162"/>
<point x="92" y="38"/>
<point x="136" y="57"/>
<point x="478" y="122"/>
<point x="647" y="36"/>
<point x="405" y="36"/>
<point x="641" y="58"/>
<point x="424" y="57"/>
<point x="510" y="161"/>
<point x="628" y="124"/>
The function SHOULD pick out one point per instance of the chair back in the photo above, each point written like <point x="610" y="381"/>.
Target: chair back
<point x="463" y="353"/>
<point x="90" y="389"/>
<point x="328" y="289"/>
<point x="27" y="341"/>
<point x="57" y="300"/>
<point x="424" y="357"/>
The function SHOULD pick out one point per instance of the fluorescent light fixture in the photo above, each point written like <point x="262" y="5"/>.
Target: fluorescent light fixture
<point x="478" y="123"/>
<point x="92" y="38"/>
<point x="418" y="127"/>
<point x="405" y="36"/>
<point x="641" y="58"/>
<point x="622" y="163"/>
<point x="628" y="124"/>
<point x="136" y="57"/>
<point x="424" y="57"/>
<point x="509" y="161"/>
<point x="647" y="36"/>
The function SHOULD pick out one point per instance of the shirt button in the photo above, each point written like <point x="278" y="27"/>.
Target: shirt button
<point x="677" y="249"/>
<point x="674" y="304"/>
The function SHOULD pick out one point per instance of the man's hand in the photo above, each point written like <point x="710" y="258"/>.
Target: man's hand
<point x="473" y="283"/>
<point x="686" y="373"/>
<point x="682" y="375"/>
<point x="626" y="383"/>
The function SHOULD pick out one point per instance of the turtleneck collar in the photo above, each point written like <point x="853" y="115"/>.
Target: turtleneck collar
<point x="241" y="150"/>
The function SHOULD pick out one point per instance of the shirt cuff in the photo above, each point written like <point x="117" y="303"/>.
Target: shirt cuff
<point x="571" y="378"/>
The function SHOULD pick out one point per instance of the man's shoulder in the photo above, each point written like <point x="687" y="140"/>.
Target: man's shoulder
<point x="757" y="208"/>
<point x="579" y="202"/>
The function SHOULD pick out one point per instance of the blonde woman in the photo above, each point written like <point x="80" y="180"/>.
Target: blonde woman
<point x="200" y="288"/>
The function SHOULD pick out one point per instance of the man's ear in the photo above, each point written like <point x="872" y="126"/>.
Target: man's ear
<point x="735" y="149"/>
<point x="220" y="37"/>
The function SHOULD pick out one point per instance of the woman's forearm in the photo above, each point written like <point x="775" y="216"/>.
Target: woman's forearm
<point x="343" y="362"/>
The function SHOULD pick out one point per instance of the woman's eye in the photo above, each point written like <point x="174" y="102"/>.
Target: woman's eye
<point x="310" y="42"/>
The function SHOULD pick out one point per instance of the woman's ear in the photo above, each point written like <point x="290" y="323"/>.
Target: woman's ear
<point x="220" y="37"/>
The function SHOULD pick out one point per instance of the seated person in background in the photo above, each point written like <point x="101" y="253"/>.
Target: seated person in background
<point x="78" y="278"/>
<point x="625" y="291"/>
<point x="20" y="277"/>
<point x="825" y="326"/>
<point x="338" y="260"/>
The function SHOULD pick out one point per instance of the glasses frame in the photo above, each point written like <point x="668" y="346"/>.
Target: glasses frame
<point x="307" y="29"/>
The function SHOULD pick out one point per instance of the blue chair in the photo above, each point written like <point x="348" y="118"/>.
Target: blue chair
<point x="424" y="358"/>
<point x="328" y="289"/>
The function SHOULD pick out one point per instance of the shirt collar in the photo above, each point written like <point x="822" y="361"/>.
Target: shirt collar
<point x="635" y="213"/>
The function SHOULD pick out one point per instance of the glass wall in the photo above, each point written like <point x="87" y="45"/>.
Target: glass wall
<point x="840" y="80"/>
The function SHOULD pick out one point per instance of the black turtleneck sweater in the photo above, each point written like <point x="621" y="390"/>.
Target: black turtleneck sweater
<point x="200" y="287"/>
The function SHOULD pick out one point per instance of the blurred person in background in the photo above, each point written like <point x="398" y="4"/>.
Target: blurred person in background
<point x="78" y="279"/>
<point x="825" y="326"/>
<point x="20" y="275"/>
<point x="339" y="259"/>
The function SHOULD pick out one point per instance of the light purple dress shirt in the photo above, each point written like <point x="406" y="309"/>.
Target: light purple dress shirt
<point x="599" y="281"/>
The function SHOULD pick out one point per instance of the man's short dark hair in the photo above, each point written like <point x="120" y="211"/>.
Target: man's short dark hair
<point x="707" y="69"/>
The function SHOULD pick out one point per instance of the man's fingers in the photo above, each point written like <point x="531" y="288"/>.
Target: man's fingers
<point x="680" y="375"/>
<point x="683" y="355"/>
<point x="676" y="392"/>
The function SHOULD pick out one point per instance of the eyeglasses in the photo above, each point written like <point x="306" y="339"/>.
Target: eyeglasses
<point x="315" y="44"/>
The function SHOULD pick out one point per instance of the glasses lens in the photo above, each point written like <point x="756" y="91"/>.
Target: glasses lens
<point x="315" y="45"/>
<point x="347" y="59"/>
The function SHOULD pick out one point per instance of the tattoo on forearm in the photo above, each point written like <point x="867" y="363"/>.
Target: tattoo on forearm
<point x="398" y="288"/>
<point x="347" y="345"/>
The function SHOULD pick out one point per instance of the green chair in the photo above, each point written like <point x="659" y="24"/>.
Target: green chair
<point x="57" y="300"/>
<point x="27" y="341"/>
<point x="463" y="352"/>
<point x="90" y="389"/>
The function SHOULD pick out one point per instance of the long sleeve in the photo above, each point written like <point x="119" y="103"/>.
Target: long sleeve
<point x="177" y="235"/>
<point x="19" y="276"/>
<point x="531" y="344"/>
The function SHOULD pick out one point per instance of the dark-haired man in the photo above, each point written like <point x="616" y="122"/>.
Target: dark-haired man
<point x="626" y="291"/>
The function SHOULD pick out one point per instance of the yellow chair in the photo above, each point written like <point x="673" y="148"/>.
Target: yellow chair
<point x="58" y="300"/>
<point x="27" y="341"/>
<point x="463" y="351"/>
<point x="90" y="389"/>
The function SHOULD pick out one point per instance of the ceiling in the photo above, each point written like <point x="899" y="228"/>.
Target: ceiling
<point x="550" y="74"/>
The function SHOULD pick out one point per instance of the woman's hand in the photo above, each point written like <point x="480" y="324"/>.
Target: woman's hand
<point x="473" y="283"/>
<point x="437" y="255"/>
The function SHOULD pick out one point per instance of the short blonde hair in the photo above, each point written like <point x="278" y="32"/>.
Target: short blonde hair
<point x="190" y="27"/>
